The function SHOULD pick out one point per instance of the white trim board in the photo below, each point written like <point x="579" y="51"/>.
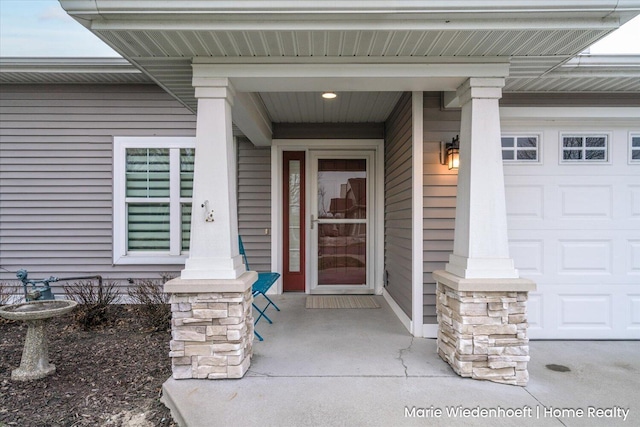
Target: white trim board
<point x="402" y="316"/>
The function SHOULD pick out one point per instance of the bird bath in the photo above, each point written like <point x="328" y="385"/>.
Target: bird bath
<point x="35" y="356"/>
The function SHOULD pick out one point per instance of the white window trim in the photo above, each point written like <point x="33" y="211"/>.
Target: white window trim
<point x="632" y="135"/>
<point x="607" y="149"/>
<point x="516" y="135"/>
<point x="120" y="145"/>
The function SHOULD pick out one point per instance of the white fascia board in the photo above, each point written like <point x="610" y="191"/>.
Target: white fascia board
<point x="345" y="77"/>
<point x="355" y="23"/>
<point x="431" y="69"/>
<point x="340" y="60"/>
<point x="373" y="15"/>
<point x="348" y="6"/>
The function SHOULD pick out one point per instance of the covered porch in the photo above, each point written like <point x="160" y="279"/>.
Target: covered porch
<point x="225" y="63"/>
<point x="362" y="367"/>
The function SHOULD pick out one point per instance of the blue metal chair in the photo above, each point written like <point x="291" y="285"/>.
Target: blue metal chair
<point x="260" y="287"/>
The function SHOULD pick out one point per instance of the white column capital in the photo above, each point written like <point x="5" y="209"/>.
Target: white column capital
<point x="480" y="88"/>
<point x="214" y="88"/>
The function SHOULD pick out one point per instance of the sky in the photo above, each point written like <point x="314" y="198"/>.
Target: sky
<point x="40" y="28"/>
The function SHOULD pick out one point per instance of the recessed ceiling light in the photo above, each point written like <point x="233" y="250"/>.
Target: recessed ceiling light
<point x="329" y="95"/>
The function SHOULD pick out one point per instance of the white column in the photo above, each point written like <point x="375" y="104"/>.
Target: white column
<point x="214" y="252"/>
<point x="481" y="247"/>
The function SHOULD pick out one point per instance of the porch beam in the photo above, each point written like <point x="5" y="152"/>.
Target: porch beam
<point x="450" y="100"/>
<point x="252" y="118"/>
<point x="309" y="77"/>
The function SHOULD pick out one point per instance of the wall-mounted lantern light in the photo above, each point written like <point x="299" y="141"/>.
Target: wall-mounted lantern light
<point x="450" y="153"/>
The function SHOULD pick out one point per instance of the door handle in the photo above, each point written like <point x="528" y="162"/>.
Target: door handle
<point x="313" y="221"/>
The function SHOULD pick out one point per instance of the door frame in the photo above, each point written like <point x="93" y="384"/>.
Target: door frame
<point x="335" y="146"/>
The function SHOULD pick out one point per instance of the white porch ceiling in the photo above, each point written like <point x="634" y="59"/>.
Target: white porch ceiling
<point x="348" y="107"/>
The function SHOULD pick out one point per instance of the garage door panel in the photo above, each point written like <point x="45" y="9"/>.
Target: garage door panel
<point x="528" y="256"/>
<point x="535" y="311"/>
<point x="564" y="311"/>
<point x="585" y="257"/>
<point x="573" y="256"/>
<point x="634" y="201"/>
<point x="633" y="250"/>
<point x="525" y="202"/>
<point x="572" y="202"/>
<point x="586" y="202"/>
<point x="633" y="323"/>
<point x="576" y="311"/>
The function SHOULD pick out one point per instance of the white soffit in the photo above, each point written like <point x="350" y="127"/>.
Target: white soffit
<point x="584" y="73"/>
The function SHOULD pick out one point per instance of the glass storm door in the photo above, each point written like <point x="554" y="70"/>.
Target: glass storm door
<point x="339" y="221"/>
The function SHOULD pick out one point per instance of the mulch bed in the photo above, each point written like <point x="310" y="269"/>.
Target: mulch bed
<point x="109" y="376"/>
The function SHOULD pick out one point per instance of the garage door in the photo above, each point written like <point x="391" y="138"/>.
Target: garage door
<point x="574" y="228"/>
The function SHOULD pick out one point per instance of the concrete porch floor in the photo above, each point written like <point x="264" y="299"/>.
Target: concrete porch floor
<point x="362" y="368"/>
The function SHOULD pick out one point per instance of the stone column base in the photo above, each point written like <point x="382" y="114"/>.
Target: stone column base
<point x="211" y="327"/>
<point x="482" y="327"/>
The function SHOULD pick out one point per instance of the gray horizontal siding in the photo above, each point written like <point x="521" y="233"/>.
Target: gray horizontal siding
<point x="254" y="203"/>
<point x="439" y="196"/>
<point x="56" y="168"/>
<point x="398" y="204"/>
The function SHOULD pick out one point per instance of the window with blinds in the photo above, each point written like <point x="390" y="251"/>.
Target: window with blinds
<point x="148" y="193"/>
<point x="153" y="191"/>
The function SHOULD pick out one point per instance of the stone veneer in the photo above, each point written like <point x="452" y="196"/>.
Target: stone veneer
<point x="482" y="334"/>
<point x="212" y="333"/>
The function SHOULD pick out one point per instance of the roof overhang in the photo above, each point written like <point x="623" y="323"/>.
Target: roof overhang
<point x="70" y="71"/>
<point x="162" y="37"/>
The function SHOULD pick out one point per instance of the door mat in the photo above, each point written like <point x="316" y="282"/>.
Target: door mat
<point x="341" y="301"/>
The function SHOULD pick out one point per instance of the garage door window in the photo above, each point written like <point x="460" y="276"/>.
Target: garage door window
<point x="634" y="149"/>
<point x="585" y="149"/>
<point x="520" y="148"/>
